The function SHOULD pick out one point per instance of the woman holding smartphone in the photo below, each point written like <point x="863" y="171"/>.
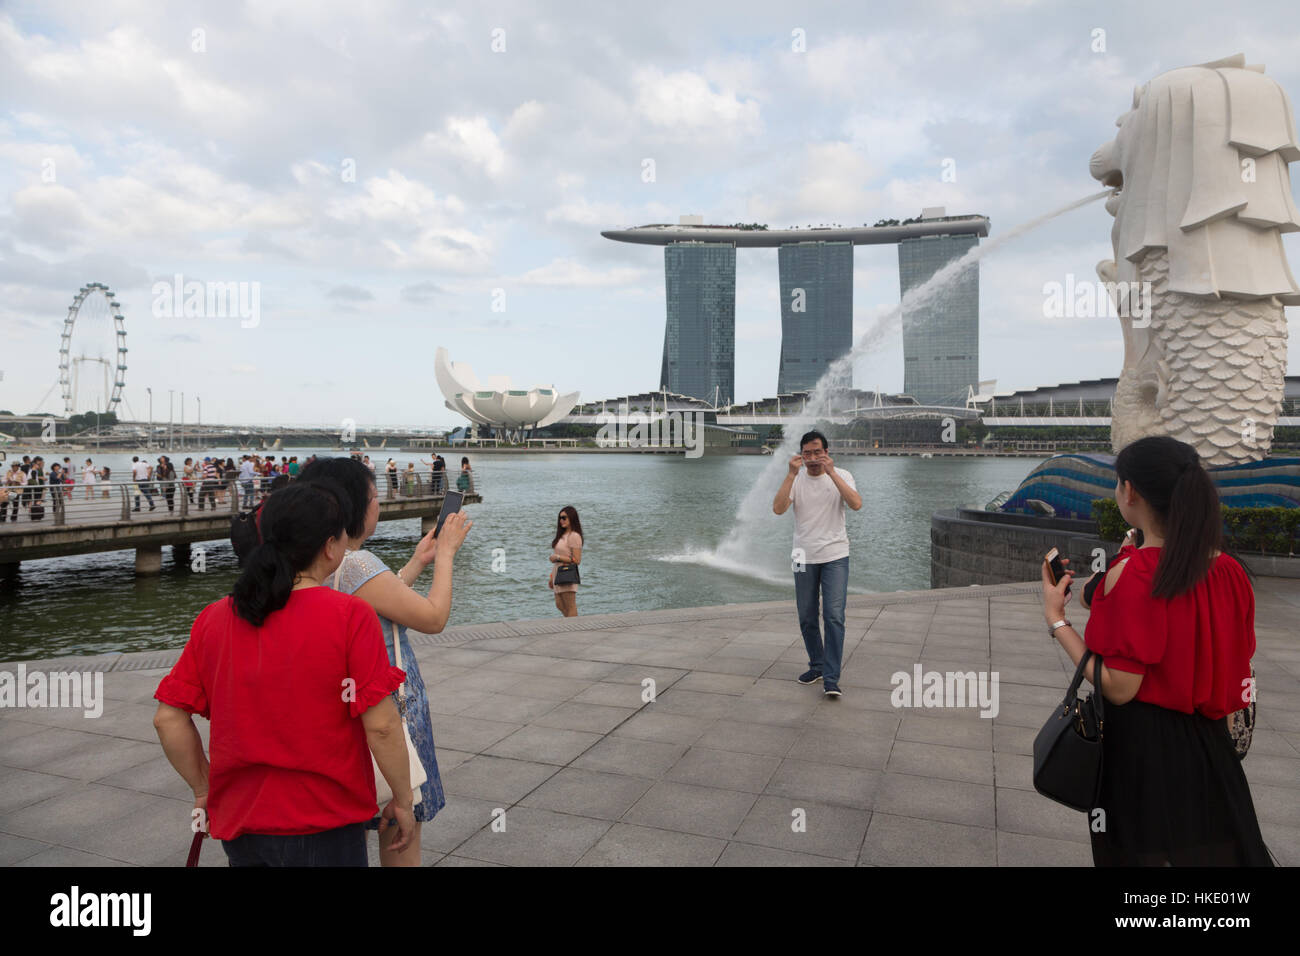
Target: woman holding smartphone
<point x="364" y="575"/>
<point x="1174" y="621"/>
<point x="566" y="548"/>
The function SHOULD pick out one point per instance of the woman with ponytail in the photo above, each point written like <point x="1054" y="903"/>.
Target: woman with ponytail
<point x="1174" y="622"/>
<point x="295" y="682"/>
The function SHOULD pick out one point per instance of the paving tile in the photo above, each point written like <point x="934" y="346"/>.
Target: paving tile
<point x="725" y="770"/>
<point x="81" y="808"/>
<point x="707" y="682"/>
<point x="685" y="808"/>
<point x="156" y="776"/>
<point x="544" y="744"/>
<point x="612" y="694"/>
<point x="775" y="712"/>
<point x="749" y="738"/>
<point x="22" y="788"/>
<point x="747" y="854"/>
<point x="593" y="718"/>
<point x="550" y="688"/>
<point x="586" y="793"/>
<point x="455" y="823"/>
<point x="1274" y="804"/>
<point x="153" y="832"/>
<point x="58" y="857"/>
<point x="868" y="751"/>
<point x="948" y="730"/>
<point x="1277" y="771"/>
<point x="1016" y="740"/>
<point x="650" y="724"/>
<point x="511" y="708"/>
<point x="820" y="830"/>
<point x="628" y="845"/>
<point x="948" y="763"/>
<point x="100" y="756"/>
<point x="452" y="860"/>
<point x="534" y="837"/>
<point x="1018" y="849"/>
<point x="693" y="703"/>
<point x="1283" y="841"/>
<point x="36" y="751"/>
<point x="13" y="849"/>
<point x="499" y="779"/>
<point x="1014" y="770"/>
<point x="1022" y="811"/>
<point x="949" y="801"/>
<point x="806" y="780"/>
<point x="907" y="841"/>
<point x="629" y="755"/>
<point x="470" y="734"/>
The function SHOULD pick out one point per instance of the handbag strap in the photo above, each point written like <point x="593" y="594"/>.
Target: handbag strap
<point x="1072" y="693"/>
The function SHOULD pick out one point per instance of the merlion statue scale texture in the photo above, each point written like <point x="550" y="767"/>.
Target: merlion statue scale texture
<point x="1203" y="195"/>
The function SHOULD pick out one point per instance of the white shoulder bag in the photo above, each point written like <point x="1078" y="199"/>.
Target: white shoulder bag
<point x="383" y="792"/>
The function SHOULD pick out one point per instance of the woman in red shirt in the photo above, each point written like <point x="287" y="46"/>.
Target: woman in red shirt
<point x="1174" y="622"/>
<point x="296" y="682"/>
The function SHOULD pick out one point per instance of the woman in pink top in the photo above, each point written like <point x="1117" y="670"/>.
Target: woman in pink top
<point x="566" y="548"/>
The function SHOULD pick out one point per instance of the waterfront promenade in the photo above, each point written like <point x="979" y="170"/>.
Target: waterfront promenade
<point x="546" y="721"/>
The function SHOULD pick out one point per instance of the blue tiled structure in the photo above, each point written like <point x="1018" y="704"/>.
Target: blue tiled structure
<point x="1070" y="483"/>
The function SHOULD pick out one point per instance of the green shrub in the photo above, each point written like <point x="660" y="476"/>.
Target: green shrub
<point x="1251" y="530"/>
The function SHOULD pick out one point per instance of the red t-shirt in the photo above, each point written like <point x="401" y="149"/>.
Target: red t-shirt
<point x="1193" y="650"/>
<point x="287" y="750"/>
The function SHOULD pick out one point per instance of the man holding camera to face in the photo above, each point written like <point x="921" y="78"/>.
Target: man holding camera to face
<point x="819" y="491"/>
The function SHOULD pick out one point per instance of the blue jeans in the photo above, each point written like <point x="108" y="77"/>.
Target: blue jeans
<point x="345" y="846"/>
<point x="832" y="579"/>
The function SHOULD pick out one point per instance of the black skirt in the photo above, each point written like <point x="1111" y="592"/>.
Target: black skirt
<point x="1173" y="792"/>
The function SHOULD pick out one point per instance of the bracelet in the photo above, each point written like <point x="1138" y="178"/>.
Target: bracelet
<point x="1053" y="628"/>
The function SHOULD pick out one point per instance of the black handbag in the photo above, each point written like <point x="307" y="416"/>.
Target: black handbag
<point x="1067" y="751"/>
<point x="567" y="574"/>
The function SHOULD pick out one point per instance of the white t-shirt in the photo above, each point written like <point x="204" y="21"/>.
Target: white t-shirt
<point x="140" y="471"/>
<point x="819" y="516"/>
<point x="88" y="475"/>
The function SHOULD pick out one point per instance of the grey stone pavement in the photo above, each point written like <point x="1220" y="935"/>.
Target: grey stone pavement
<point x="545" y="720"/>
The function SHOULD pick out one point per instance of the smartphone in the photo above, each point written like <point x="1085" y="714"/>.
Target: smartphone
<point x="450" y="505"/>
<point x="1055" y="568"/>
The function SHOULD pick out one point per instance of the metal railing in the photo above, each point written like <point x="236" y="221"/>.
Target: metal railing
<point x="129" y="500"/>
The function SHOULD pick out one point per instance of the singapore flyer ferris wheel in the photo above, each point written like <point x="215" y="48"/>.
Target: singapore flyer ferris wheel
<point x="94" y="304"/>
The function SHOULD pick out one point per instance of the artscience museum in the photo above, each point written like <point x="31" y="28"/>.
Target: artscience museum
<point x="496" y="404"/>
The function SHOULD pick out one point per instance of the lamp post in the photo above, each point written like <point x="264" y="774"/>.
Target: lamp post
<point x="149" y="437"/>
<point x="170" y="433"/>
<point x="182" y="421"/>
<point x="199" y="423"/>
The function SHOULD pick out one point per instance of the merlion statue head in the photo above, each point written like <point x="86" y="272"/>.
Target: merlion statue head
<point x="1200" y="164"/>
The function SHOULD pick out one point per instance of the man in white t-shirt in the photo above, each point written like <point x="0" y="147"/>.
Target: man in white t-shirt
<point x="141" y="472"/>
<point x="821" y="553"/>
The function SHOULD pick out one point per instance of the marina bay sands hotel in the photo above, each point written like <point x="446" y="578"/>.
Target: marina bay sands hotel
<point x="940" y="337"/>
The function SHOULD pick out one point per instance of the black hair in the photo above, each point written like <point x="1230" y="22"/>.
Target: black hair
<point x="574" y="525"/>
<point x="814" y="436"/>
<point x="356" y="481"/>
<point x="296" y="522"/>
<point x="1169" y="476"/>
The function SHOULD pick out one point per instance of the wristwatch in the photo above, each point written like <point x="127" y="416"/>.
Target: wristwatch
<point x="1053" y="628"/>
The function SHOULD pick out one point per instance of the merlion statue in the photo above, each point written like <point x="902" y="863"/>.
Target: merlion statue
<point x="1203" y="195"/>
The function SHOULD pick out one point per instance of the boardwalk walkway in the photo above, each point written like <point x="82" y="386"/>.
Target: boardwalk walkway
<point x="545" y="720"/>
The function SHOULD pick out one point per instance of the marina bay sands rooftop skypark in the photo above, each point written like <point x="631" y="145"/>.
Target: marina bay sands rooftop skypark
<point x="661" y="234"/>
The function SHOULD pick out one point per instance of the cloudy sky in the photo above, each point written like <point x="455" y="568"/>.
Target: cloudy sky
<point x="380" y="169"/>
